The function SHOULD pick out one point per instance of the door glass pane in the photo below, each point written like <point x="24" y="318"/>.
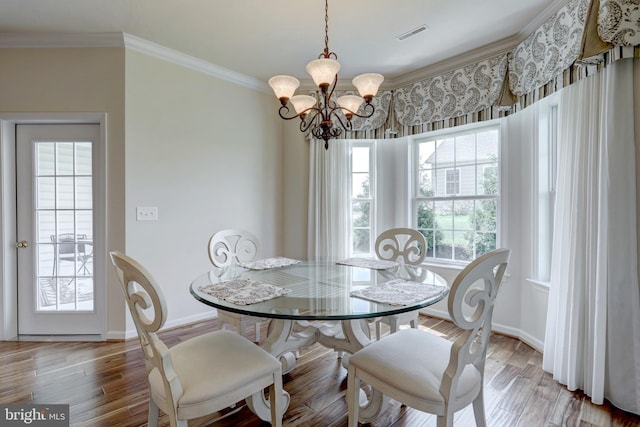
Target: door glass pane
<point x="64" y="226"/>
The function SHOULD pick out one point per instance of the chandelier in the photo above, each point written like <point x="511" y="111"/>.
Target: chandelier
<point x="319" y="114"/>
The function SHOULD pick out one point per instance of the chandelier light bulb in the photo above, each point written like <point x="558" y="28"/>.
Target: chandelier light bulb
<point x="368" y="84"/>
<point x="302" y="102"/>
<point x="351" y="103"/>
<point x="284" y="87"/>
<point x="323" y="71"/>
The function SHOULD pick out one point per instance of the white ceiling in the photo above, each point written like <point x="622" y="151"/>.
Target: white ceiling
<point x="261" y="38"/>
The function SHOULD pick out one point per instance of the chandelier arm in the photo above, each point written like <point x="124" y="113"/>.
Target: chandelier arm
<point x="348" y="126"/>
<point x="362" y="116"/>
<point x="328" y="95"/>
<point x="306" y="124"/>
<point x="284" y="110"/>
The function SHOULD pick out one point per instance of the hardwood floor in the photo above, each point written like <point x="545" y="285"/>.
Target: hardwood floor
<point x="105" y="385"/>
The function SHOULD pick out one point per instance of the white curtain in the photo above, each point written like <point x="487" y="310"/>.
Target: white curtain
<point x="328" y="231"/>
<point x="592" y="339"/>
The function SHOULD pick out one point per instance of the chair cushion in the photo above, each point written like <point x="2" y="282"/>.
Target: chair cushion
<point x="214" y="365"/>
<point x="413" y="362"/>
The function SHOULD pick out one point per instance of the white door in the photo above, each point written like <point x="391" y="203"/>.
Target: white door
<point x="60" y="285"/>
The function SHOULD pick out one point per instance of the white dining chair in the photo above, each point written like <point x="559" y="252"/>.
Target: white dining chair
<point x="233" y="247"/>
<point x="407" y="246"/>
<point x="201" y="375"/>
<point x="428" y="372"/>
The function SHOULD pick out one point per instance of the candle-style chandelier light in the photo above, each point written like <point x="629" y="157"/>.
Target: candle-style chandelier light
<point x="319" y="113"/>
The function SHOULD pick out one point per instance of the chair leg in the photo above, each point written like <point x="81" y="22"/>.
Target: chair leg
<point x="378" y="329"/>
<point x="445" y="420"/>
<point x="393" y="324"/>
<point x="257" y="326"/>
<point x="276" y="401"/>
<point x="154" y="413"/>
<point x="353" y="397"/>
<point x="478" y="409"/>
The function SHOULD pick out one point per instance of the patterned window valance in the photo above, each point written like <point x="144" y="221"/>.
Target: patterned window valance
<point x="456" y="93"/>
<point x="619" y="22"/>
<point x="577" y="41"/>
<point x="551" y="49"/>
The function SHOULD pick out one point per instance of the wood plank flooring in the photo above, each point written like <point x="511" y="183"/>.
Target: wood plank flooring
<point x="105" y="385"/>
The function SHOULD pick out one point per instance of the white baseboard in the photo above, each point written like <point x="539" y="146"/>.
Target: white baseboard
<point x="132" y="333"/>
<point x="526" y="338"/>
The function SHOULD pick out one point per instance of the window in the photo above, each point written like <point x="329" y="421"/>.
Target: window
<point x="362" y="198"/>
<point x="456" y="192"/>
<point x="545" y="186"/>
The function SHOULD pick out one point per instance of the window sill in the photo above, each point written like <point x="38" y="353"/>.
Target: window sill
<point x="540" y="284"/>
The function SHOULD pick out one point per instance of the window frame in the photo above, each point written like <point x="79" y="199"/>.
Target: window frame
<point x="416" y="198"/>
<point x="371" y="146"/>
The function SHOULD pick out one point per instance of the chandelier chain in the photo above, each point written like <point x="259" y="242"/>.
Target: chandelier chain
<point x="326" y="27"/>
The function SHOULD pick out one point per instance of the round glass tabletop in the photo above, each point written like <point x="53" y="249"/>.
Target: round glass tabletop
<point x="320" y="290"/>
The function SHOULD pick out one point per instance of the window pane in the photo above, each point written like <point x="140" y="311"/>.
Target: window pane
<point x="64" y="193"/>
<point x="485" y="242"/>
<point x="361" y="239"/>
<point x="84" y="223"/>
<point x="443" y="245"/>
<point x="488" y="179"/>
<point x="84" y="192"/>
<point x="486" y="215"/>
<point x="444" y="217"/>
<point x="487" y="146"/>
<point x="467" y="180"/>
<point x="360" y="159"/>
<point x="463" y="215"/>
<point x="83" y="158"/>
<point x="46" y="193"/>
<point x="426" y="182"/>
<point x="426" y="215"/>
<point x="426" y="154"/>
<point x="463" y="241"/>
<point x="64" y="158"/>
<point x="445" y="152"/>
<point x="465" y="150"/>
<point x="46" y="223"/>
<point x="361" y="214"/>
<point x="45" y="155"/>
<point x="360" y="185"/>
<point x="65" y="222"/>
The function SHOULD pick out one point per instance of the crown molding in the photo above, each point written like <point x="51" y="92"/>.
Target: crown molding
<point x="60" y="40"/>
<point x="128" y="41"/>
<point x="166" y="54"/>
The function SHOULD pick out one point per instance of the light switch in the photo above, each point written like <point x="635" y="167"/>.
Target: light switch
<point x="146" y="213"/>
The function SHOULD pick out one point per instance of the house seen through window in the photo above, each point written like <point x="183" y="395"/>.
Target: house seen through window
<point x="456" y="193"/>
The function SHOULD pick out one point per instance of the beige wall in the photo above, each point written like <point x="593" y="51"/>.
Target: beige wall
<point x="208" y="154"/>
<point x="70" y="81"/>
<point x="296" y="190"/>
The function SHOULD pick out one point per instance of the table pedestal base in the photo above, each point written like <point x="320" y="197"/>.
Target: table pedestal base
<point x="286" y="337"/>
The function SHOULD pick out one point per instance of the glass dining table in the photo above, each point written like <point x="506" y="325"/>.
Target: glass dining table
<point x="319" y="301"/>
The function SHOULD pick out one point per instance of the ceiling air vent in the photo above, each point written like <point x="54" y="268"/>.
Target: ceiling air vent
<point x="413" y="32"/>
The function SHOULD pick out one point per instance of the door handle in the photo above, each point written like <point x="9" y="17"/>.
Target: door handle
<point x="22" y="244"/>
